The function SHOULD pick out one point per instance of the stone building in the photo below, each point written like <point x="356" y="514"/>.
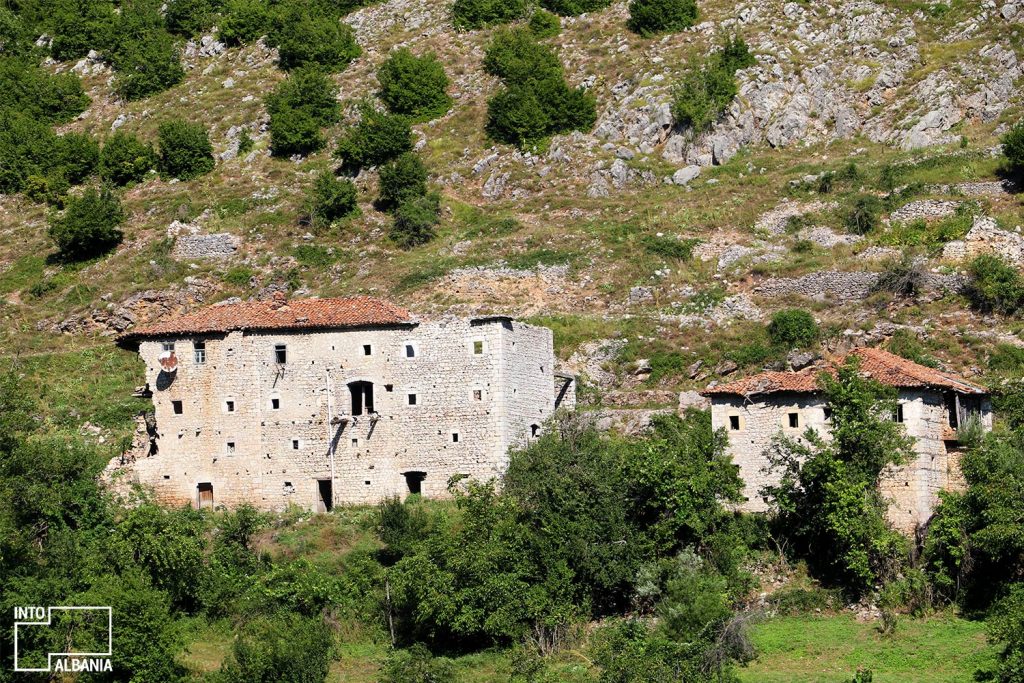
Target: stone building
<point x="931" y="406"/>
<point x="319" y="402"/>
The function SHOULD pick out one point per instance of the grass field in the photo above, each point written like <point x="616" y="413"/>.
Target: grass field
<point x="805" y="648"/>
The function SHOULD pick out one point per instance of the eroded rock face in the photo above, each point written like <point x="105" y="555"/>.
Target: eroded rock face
<point x="985" y="237"/>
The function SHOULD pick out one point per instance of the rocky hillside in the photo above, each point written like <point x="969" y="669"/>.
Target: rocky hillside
<point x="656" y="255"/>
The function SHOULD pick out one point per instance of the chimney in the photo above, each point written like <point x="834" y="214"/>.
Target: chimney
<point x="278" y="301"/>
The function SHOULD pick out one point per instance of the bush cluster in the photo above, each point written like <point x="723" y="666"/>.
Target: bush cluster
<point x="573" y="8"/>
<point x="330" y="199"/>
<point x="300" y="106"/>
<point x="185" y="150"/>
<point x="650" y="17"/>
<point x="864" y="215"/>
<point x="40" y="163"/>
<point x="793" y="327"/>
<point x="126" y="159"/>
<point x="307" y="37"/>
<point x="52" y="98"/>
<point x="89" y="226"/>
<point x="244" y="21"/>
<point x="414" y="86"/>
<point x="401" y="180"/>
<point x="474" y="14"/>
<point x="536" y="101"/>
<point x="544" y="24"/>
<point x="708" y="88"/>
<point x="77" y="26"/>
<point x="144" y="54"/>
<point x="995" y="285"/>
<point x="1013" y="146"/>
<point x="188" y="18"/>
<point x="416" y="219"/>
<point x="377" y="138"/>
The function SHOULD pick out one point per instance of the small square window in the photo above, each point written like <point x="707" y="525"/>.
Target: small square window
<point x="231" y="447"/>
<point x="355" y="442"/>
<point x="734" y="423"/>
<point x="367" y="482"/>
<point x="288" y="484"/>
<point x="412" y="399"/>
<point x="167" y="346"/>
<point x="367" y="350"/>
<point x="280" y="354"/>
<point x="275" y="404"/>
<point x="455" y="437"/>
<point x="230" y="405"/>
<point x="478" y="394"/>
<point x="478" y="347"/>
<point x="794" y="420"/>
<point x="167" y="476"/>
<point x="295" y="444"/>
<point x="199" y="352"/>
<point x="410" y="351"/>
<point x="177" y="407"/>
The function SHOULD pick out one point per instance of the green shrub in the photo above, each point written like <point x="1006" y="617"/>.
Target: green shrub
<point x="473" y="14"/>
<point x="995" y="285"/>
<point x="1013" y="146"/>
<point x="78" y="155"/>
<point x="573" y="8"/>
<point x="285" y="647"/>
<point x="185" y="150"/>
<point x="146" y="64"/>
<point x="244" y="21"/>
<point x="79" y="26"/>
<point x="239" y="276"/>
<point x="188" y="18"/>
<point x="650" y="17"/>
<point x="568" y="108"/>
<point x="53" y="98"/>
<point x="515" y="116"/>
<point x="793" y="327"/>
<point x="126" y="159"/>
<point x="515" y="56"/>
<point x="417" y="665"/>
<point x="330" y="198"/>
<point x="401" y="180"/>
<point x="708" y="88"/>
<point x="311" y="39"/>
<point x="414" y="86"/>
<point x="15" y="39"/>
<point x="299" y="107"/>
<point x="544" y="24"/>
<point x="27" y="147"/>
<point x="415" y="220"/>
<point x="669" y="247"/>
<point x="378" y="138"/>
<point x="89" y="225"/>
<point x="865" y="214"/>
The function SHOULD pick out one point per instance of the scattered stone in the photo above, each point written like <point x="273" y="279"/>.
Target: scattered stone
<point x="692" y="399"/>
<point x="726" y="367"/>
<point x="685" y="175"/>
<point x="639" y="295"/>
<point x="925" y="209"/>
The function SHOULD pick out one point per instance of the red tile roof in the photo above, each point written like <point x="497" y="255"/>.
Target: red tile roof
<point x="880" y="365"/>
<point x="296" y="314"/>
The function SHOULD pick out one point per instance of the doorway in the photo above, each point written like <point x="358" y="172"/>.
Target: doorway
<point x="414" y="480"/>
<point x="205" y="490"/>
<point x="324" y="495"/>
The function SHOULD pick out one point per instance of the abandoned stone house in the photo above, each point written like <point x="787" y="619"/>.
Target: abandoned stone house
<point x="319" y="402"/>
<point x="932" y="405"/>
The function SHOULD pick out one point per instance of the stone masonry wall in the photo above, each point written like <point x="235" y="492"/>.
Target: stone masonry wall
<point x="911" y="489"/>
<point x="472" y="402"/>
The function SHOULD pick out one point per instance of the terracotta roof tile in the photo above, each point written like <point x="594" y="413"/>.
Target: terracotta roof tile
<point x="296" y="314"/>
<point x="880" y="365"/>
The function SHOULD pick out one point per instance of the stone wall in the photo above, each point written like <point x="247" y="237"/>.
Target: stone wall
<point x="912" y="488"/>
<point x="259" y="431"/>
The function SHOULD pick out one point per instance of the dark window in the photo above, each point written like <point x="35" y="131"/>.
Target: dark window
<point x="362" y="397"/>
<point x="951" y="411"/>
<point x="794" y="420"/>
<point x="898" y="415"/>
<point x="734" y="422"/>
<point x="167" y="346"/>
<point x="414" y="480"/>
<point x="178" y="409"/>
<point x="412" y="399"/>
<point x="231" y="447"/>
<point x="410" y="351"/>
<point x="534" y="430"/>
<point x="324" y="498"/>
<point x="231" y="406"/>
<point x="295" y="444"/>
<point x="167" y="476"/>
<point x="827" y="412"/>
<point x="275" y="403"/>
<point x="455" y="437"/>
<point x="280" y="354"/>
<point x="367" y="350"/>
<point x="199" y="351"/>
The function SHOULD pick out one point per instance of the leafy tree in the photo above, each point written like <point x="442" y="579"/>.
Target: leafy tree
<point x="283" y="647"/>
<point x="189" y="18"/>
<point x="330" y="199"/>
<point x="572" y="8"/>
<point x="146" y="66"/>
<point x="708" y="88"/>
<point x="53" y="98"/>
<point x="126" y="159"/>
<point x="995" y="285"/>
<point x="414" y="86"/>
<point x="89" y="226"/>
<point x="793" y="327"/>
<point x="415" y="220"/>
<point x="515" y="117"/>
<point x="827" y="500"/>
<point x="1008" y="628"/>
<point x="305" y="38"/>
<point x="544" y="24"/>
<point x="864" y="215"/>
<point x="299" y="107"/>
<point x="185" y="150"/>
<point x="515" y="56"/>
<point x="1013" y="146"/>
<point x="417" y="665"/>
<point x="78" y="155"/>
<point x="377" y="138"/>
<point x="77" y="26"/>
<point x="474" y="14"/>
<point x="244" y="21"/>
<point x="400" y="180"/>
<point x="650" y="17"/>
<point x="27" y="148"/>
<point x="15" y="39"/>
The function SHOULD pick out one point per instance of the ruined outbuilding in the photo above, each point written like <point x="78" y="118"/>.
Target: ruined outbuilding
<point x="932" y="406"/>
<point x="319" y="402"/>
